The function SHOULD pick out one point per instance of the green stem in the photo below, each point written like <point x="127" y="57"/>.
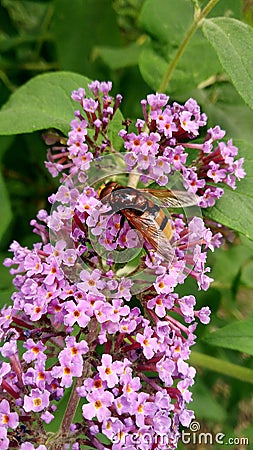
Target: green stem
<point x="44" y="28"/>
<point x="199" y="16"/>
<point x="7" y="81"/>
<point x="30" y="66"/>
<point x="221" y="366"/>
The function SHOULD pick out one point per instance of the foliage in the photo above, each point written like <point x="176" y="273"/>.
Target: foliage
<point x="187" y="49"/>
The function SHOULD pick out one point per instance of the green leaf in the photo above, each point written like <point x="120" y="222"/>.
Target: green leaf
<point x="233" y="42"/>
<point x="79" y="27"/>
<point x="43" y="102"/>
<point x="152" y="67"/>
<point x="5" y="276"/>
<point x="5" y="209"/>
<point x="224" y="106"/>
<point x="221" y="366"/>
<point x="117" y="58"/>
<point x="204" y="404"/>
<point x="236" y="336"/>
<point x="58" y="415"/>
<point x="113" y="130"/>
<point x="246" y="275"/>
<point x="167" y="22"/>
<point x="233" y="259"/>
<point x="235" y="208"/>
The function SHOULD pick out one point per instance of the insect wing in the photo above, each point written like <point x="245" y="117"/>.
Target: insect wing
<point x="152" y="233"/>
<point x="173" y="199"/>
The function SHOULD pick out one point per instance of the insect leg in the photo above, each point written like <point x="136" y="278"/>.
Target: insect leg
<point x="122" y="221"/>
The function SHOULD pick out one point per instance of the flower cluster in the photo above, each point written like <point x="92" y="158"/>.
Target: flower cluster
<point x="163" y="148"/>
<point x="83" y="317"/>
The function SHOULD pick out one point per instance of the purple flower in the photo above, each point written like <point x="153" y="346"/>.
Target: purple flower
<point x="185" y="417"/>
<point x="98" y="406"/>
<point x="34" y="351"/>
<point x="157" y="101"/>
<point x="74" y="350"/>
<point x="9" y="349"/>
<point x="36" y="401"/>
<point x="162" y="422"/>
<point x="78" y="95"/>
<point x="4" y="441"/>
<point x="8" y="419"/>
<point x="160" y="303"/>
<point x="215" y="173"/>
<point x="47" y="417"/>
<point x="131" y="385"/>
<point x="91" y="282"/>
<point x="29" y="446"/>
<point x="148" y="342"/>
<point x="203" y="314"/>
<point x="77" y="313"/>
<point x="186" y="305"/>
<point x="68" y="369"/>
<point x="72" y="306"/>
<point x="89" y="105"/>
<point x="5" y="368"/>
<point x="5" y="317"/>
<point x="140" y="408"/>
<point x="165" y="283"/>
<point x="37" y="376"/>
<point x="109" y="370"/>
<point x="166" y="369"/>
<point x="36" y="309"/>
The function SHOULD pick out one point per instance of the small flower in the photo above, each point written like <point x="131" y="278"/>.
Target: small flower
<point x="34" y="351"/>
<point x="8" y="419"/>
<point x="36" y="401"/>
<point x="98" y="406"/>
<point x="68" y="369"/>
<point x="148" y="342"/>
<point x="91" y="282"/>
<point x="77" y="313"/>
<point x="4" y="441"/>
<point x="29" y="446"/>
<point x="109" y="370"/>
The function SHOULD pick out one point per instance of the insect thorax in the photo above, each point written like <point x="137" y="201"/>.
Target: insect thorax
<point x="128" y="198"/>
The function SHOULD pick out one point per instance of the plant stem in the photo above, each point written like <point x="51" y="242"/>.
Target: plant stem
<point x="199" y="16"/>
<point x="223" y="367"/>
<point x="71" y="407"/>
<point x="62" y="435"/>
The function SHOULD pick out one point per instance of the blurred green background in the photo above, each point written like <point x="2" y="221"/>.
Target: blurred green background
<point x="126" y="41"/>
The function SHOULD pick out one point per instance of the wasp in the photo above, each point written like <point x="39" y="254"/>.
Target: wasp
<point x="140" y="208"/>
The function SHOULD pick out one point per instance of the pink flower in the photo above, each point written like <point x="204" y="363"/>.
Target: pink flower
<point x="79" y="314"/>
<point x="8" y="419"/>
<point x="36" y="401"/>
<point x="109" y="370"/>
<point x="148" y="342"/>
<point x="91" y="281"/>
<point x="98" y="406"/>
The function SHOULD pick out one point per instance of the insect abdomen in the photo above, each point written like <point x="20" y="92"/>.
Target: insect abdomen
<point x="164" y="224"/>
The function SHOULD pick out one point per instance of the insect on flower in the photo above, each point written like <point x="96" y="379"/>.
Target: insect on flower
<point x="143" y="208"/>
